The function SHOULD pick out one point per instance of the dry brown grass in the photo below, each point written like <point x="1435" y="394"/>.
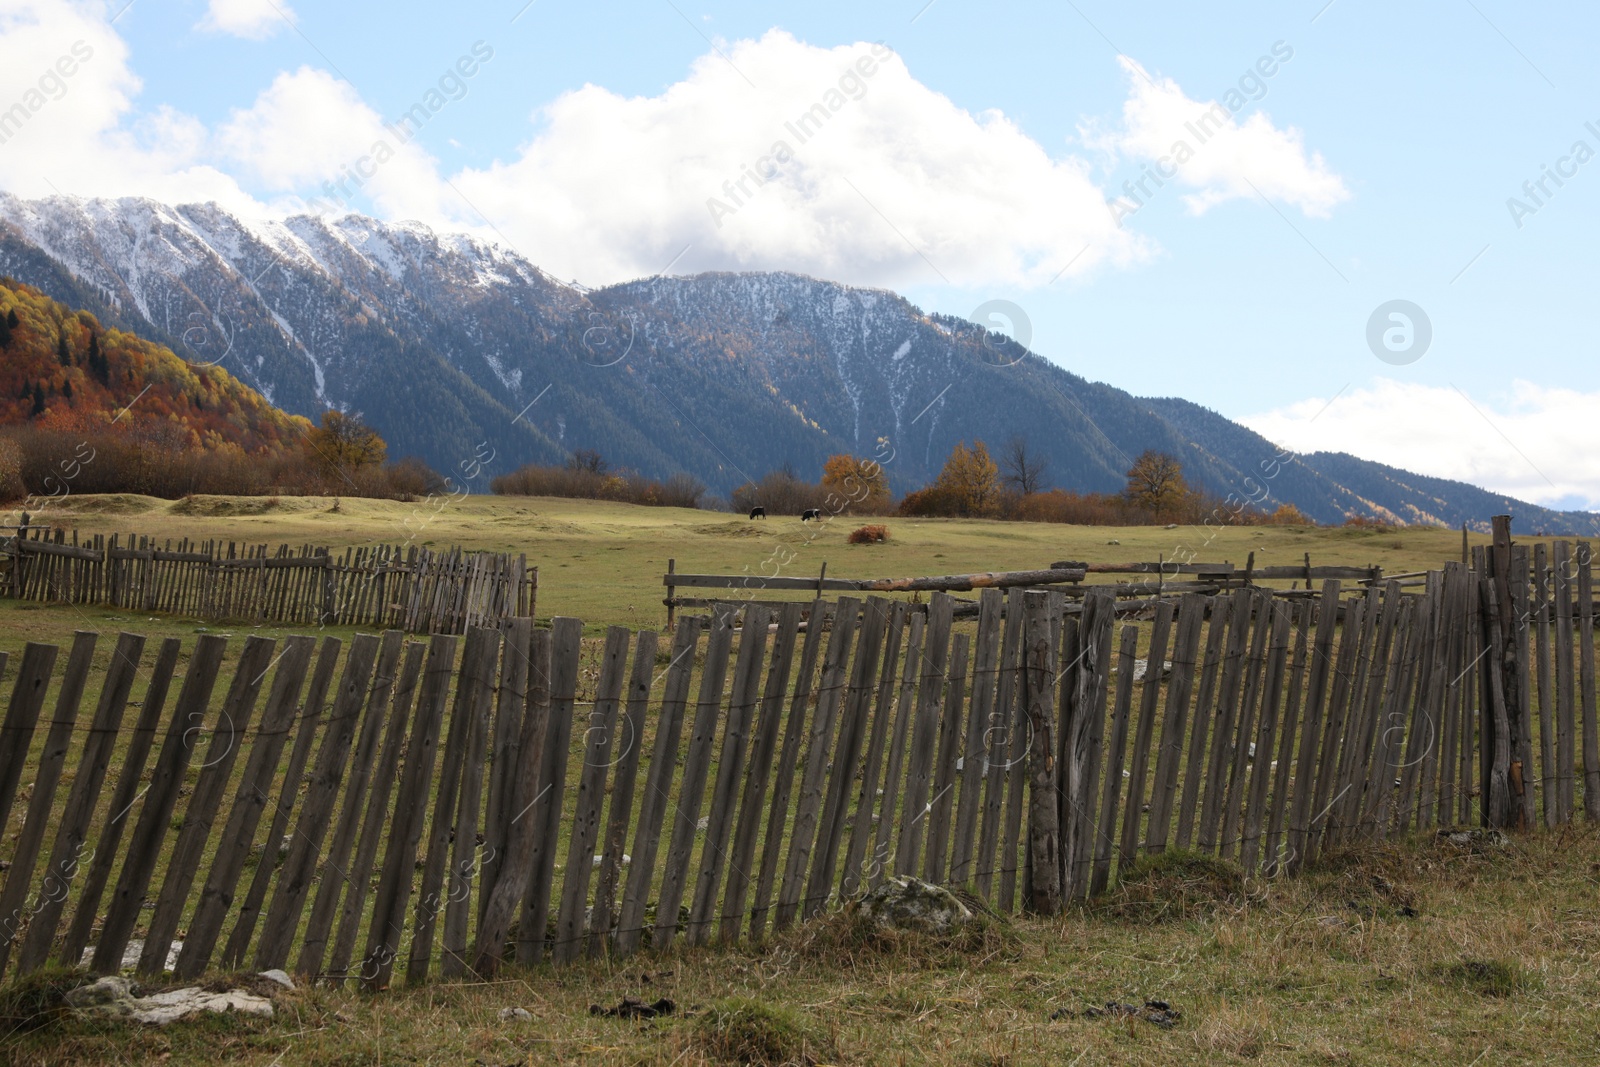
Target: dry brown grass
<point x="1269" y="980"/>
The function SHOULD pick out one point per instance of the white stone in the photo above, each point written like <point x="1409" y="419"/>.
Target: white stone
<point x="521" y="1015"/>
<point x="281" y="977"/>
<point x="113" y="996"/>
<point x="903" y="903"/>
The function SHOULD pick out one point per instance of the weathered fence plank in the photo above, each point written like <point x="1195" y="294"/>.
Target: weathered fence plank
<point x="399" y="860"/>
<point x="47" y="776"/>
<point x="73" y="834"/>
<point x="144" y="846"/>
<point x="742" y="703"/>
<point x="250" y="800"/>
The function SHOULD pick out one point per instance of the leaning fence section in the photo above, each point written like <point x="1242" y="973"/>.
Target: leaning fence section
<point x="393" y="809"/>
<point x="410" y="588"/>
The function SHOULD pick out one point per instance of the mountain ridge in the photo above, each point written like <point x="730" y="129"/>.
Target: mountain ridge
<point x="455" y="348"/>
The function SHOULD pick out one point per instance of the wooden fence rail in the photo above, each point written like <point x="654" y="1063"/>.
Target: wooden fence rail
<point x="413" y="589"/>
<point x="1156" y="579"/>
<point x="396" y="809"/>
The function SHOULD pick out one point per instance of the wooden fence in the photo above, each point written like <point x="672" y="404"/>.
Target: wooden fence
<point x="1131" y="580"/>
<point x="415" y="589"/>
<point x="513" y="794"/>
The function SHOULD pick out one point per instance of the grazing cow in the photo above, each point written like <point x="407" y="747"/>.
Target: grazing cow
<point x="811" y="513"/>
<point x="758" y="513"/>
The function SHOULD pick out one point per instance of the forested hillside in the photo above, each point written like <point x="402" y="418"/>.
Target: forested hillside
<point x="62" y="372"/>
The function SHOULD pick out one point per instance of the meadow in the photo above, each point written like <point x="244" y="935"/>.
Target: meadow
<point x="1421" y="951"/>
<point x="602" y="562"/>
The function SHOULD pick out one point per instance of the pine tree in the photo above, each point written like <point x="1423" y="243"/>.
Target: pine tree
<point x="11" y="319"/>
<point x="5" y="332"/>
<point x="99" y="366"/>
<point x="63" y="353"/>
<point x="38" y="401"/>
<point x="66" y="388"/>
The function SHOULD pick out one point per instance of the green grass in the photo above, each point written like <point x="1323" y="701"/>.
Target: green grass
<point x="603" y="562"/>
<point x="1375" y="957"/>
<point x="1293" y="975"/>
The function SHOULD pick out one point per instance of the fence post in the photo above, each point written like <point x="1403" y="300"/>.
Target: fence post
<point x="1501" y="624"/>
<point x="1044" y="826"/>
<point x="327" y="588"/>
<point x="672" y="596"/>
<point x="16" y="557"/>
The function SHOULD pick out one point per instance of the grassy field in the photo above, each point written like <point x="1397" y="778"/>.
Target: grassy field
<point x="603" y="562"/>
<point x="1422" y="953"/>
<point x="1330" y="969"/>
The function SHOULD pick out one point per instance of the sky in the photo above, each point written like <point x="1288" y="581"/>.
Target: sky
<point x="1354" y="226"/>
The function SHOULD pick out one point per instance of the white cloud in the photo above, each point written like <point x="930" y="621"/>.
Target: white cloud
<point x="1212" y="154"/>
<point x="1537" y="444"/>
<point x="254" y="20"/>
<point x="309" y="131"/>
<point x="872" y="177"/>
<point x="889" y="182"/>
<point x="67" y="117"/>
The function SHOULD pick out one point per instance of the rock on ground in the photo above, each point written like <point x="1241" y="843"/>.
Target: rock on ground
<point x="903" y="903"/>
<point x="113" y="996"/>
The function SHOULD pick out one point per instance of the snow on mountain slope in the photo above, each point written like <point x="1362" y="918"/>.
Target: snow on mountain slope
<point x="458" y="349"/>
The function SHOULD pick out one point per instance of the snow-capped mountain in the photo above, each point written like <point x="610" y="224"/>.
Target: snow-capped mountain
<point x="457" y="350"/>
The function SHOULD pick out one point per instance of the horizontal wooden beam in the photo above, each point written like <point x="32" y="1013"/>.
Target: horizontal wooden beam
<point x="949" y="583"/>
<point x="1316" y="574"/>
<point x="1169" y="567"/>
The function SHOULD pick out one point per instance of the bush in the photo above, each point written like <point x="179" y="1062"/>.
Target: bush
<point x="781" y="492"/>
<point x="155" y="460"/>
<point x="411" y="478"/>
<point x="928" y="503"/>
<point x="1354" y="521"/>
<point x="582" y="481"/>
<point x="869" y="535"/>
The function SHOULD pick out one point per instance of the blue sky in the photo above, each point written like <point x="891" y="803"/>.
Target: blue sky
<point x="1374" y="163"/>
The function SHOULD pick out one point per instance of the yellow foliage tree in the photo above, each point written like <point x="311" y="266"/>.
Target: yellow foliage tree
<point x="970" y="480"/>
<point x="1155" y="482"/>
<point x="345" y="443"/>
<point x="1289" y="515"/>
<point x="856" y="481"/>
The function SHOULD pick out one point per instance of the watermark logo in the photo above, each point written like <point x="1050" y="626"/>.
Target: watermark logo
<point x="1537" y="192"/>
<point x="1399" y="332"/>
<point x="606" y="341"/>
<point x="1007" y="332"/>
<point x="208" y="337"/>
